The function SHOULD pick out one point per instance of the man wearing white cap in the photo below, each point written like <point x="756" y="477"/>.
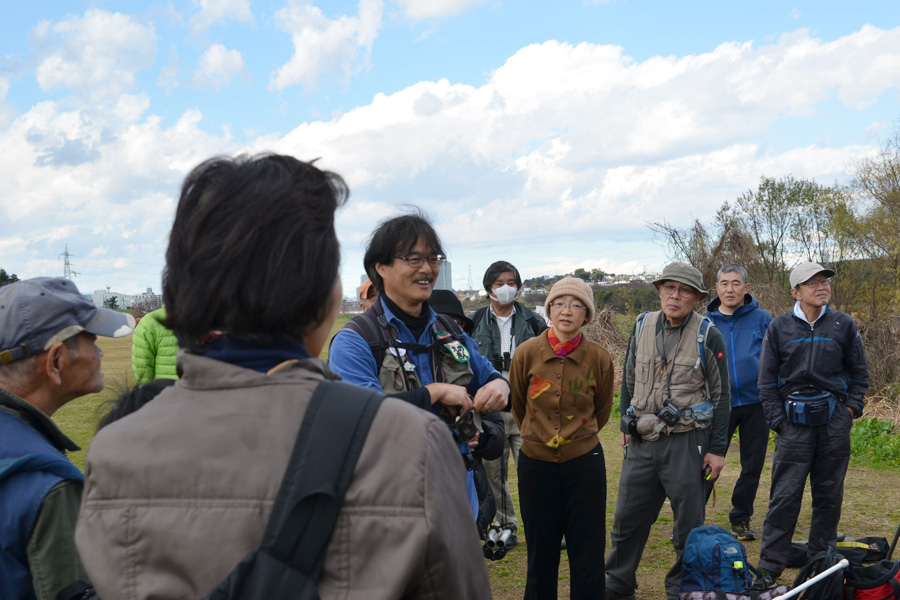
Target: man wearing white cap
<point x="47" y="359"/>
<point x="813" y="379"/>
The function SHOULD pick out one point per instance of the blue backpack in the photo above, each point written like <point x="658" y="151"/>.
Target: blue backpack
<point x="715" y="561"/>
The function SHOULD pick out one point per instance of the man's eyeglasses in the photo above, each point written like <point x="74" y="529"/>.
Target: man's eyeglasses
<point x="817" y="283"/>
<point x="670" y="289"/>
<point x="416" y="261"/>
<point x="574" y="306"/>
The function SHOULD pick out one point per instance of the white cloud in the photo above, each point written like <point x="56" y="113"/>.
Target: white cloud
<point x="427" y="9"/>
<point x="323" y="45"/>
<point x="97" y="54"/>
<point x="795" y="13"/>
<point x="217" y="11"/>
<point x="218" y="67"/>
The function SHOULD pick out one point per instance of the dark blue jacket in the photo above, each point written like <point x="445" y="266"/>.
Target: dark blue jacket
<point x="743" y="333"/>
<point x="827" y="355"/>
<point x="30" y="465"/>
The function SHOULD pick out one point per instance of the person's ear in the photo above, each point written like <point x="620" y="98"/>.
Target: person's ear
<point x="380" y="269"/>
<point x="55" y="361"/>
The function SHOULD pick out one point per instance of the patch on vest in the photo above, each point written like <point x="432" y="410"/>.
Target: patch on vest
<point x="459" y="352"/>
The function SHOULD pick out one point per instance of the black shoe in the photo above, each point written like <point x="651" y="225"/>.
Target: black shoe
<point x="764" y="580"/>
<point x="742" y="532"/>
<point x="616" y="595"/>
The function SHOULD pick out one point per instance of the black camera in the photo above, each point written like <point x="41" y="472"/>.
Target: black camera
<point x="631" y="421"/>
<point x="463" y="428"/>
<point x="669" y="413"/>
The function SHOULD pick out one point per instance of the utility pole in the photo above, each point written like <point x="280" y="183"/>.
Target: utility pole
<point x="67" y="268"/>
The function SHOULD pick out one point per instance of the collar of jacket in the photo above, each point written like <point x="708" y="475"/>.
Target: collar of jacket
<point x="37" y="419"/>
<point x="749" y="304"/>
<point x="202" y="373"/>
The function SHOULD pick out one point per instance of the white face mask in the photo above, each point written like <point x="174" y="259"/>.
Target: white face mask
<point x="505" y="294"/>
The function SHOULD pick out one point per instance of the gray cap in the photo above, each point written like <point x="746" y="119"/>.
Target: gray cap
<point x="805" y="271"/>
<point x="683" y="273"/>
<point x="37" y="313"/>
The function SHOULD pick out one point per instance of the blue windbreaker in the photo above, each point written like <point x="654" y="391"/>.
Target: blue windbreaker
<point x="743" y="333"/>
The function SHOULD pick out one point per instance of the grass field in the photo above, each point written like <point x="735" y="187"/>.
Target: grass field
<point x="871" y="495"/>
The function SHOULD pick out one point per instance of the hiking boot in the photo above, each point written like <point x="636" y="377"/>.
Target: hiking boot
<point x="616" y="595"/>
<point x="742" y="532"/>
<point x="764" y="580"/>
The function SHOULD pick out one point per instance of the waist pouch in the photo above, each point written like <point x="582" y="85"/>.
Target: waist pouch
<point x="810" y="408"/>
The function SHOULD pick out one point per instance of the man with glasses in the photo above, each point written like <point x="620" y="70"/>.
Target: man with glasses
<point x="813" y="379"/>
<point x="738" y="316"/>
<point x="403" y="349"/>
<point x="675" y="409"/>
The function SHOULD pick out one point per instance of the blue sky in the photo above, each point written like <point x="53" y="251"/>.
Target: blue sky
<point x="543" y="136"/>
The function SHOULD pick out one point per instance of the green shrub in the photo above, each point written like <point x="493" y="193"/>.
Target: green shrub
<point x="875" y="442"/>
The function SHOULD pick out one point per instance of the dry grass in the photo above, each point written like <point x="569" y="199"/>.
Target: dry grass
<point x="870" y="499"/>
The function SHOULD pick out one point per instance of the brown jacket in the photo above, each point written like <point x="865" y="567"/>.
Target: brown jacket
<point x="560" y="403"/>
<point x="178" y="493"/>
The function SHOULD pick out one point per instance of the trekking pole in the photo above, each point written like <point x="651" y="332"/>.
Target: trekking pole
<point x="843" y="564"/>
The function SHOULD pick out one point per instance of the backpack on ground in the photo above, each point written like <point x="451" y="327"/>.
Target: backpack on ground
<point x="880" y="581"/>
<point x="864" y="550"/>
<point x="714" y="561"/>
<point x="830" y="587"/>
<point x="290" y="558"/>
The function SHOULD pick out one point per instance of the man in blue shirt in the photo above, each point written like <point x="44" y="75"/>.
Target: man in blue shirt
<point x="400" y="347"/>
<point x="743" y="324"/>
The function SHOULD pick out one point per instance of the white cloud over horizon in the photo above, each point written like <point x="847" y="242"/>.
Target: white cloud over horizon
<point x="557" y="159"/>
<point x="322" y="45"/>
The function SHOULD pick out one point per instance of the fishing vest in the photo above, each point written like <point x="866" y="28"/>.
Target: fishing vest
<point x="685" y="375"/>
<point x="448" y="355"/>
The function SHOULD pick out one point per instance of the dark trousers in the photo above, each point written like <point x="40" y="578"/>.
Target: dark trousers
<point x="822" y="453"/>
<point x="564" y="499"/>
<point x="750" y="420"/>
<point x="670" y="467"/>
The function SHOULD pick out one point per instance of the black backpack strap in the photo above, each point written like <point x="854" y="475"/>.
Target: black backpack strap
<point x="325" y="454"/>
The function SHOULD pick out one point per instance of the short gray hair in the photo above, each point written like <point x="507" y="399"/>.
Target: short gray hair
<point x="732" y="268"/>
<point x="20" y="371"/>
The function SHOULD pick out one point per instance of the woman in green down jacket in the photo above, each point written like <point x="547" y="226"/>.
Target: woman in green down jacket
<point x="153" y="349"/>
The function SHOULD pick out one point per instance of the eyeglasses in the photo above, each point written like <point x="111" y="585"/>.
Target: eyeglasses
<point x="817" y="284"/>
<point x="574" y="307"/>
<point x="671" y="289"/>
<point x="416" y="261"/>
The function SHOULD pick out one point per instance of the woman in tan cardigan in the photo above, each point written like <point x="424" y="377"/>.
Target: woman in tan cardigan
<point x="562" y="392"/>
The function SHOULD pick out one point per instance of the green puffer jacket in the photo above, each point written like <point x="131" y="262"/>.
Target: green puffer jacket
<point x="153" y="349"/>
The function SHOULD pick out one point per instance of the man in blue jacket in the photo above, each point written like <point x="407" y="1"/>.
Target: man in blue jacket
<point x="47" y="358"/>
<point x="401" y="348"/>
<point x="743" y="324"/>
<point x="813" y="379"/>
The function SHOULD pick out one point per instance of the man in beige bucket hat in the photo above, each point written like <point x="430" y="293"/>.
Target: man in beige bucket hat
<point x="675" y="408"/>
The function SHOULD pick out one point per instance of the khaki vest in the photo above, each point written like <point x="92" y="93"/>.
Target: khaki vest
<point x="393" y="377"/>
<point x="688" y="383"/>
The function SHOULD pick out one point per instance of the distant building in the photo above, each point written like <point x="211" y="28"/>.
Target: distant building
<point x="147" y="301"/>
<point x="100" y="298"/>
<point x="445" y="277"/>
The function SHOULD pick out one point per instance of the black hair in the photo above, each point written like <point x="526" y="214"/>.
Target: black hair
<point x="493" y="272"/>
<point x="397" y="237"/>
<point x="131" y="400"/>
<point x="252" y="249"/>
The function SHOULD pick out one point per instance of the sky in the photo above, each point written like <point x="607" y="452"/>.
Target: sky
<point x="545" y="134"/>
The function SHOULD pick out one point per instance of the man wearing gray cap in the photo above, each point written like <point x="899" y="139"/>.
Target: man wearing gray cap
<point x="675" y="408"/>
<point x="813" y="379"/>
<point x="47" y="359"/>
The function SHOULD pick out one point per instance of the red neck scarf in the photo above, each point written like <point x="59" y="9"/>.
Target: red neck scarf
<point x="563" y="348"/>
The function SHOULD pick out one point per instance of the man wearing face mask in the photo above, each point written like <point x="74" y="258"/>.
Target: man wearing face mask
<point x="499" y="329"/>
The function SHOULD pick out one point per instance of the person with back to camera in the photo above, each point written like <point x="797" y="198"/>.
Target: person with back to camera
<point x="178" y="493"/>
<point x="499" y="329"/>
<point x="562" y="388"/>
<point x="153" y="348"/>
<point x="813" y="378"/>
